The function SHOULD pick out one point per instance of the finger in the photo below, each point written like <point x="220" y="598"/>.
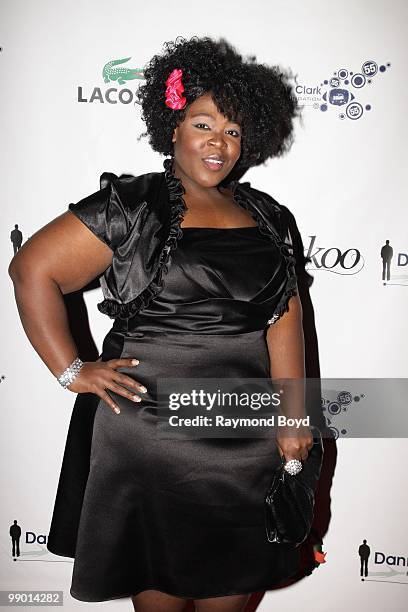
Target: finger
<point x="291" y="453"/>
<point x="123" y="363"/>
<point x="290" y="457"/>
<point x="279" y="448"/>
<point x="124" y="392"/>
<point x="285" y="455"/>
<point x="129" y="382"/>
<point x="107" y="398"/>
<point x="304" y="452"/>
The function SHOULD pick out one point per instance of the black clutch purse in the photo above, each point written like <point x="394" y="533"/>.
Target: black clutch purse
<point x="289" y="500"/>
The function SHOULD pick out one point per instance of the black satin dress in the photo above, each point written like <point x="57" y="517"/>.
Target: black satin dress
<point x="185" y="517"/>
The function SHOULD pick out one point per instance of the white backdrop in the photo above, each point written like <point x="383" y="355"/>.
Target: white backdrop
<point x="344" y="180"/>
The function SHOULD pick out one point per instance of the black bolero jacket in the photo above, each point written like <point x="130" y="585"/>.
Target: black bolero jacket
<point x="139" y="218"/>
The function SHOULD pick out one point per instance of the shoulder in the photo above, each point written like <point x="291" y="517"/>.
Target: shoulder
<point x="264" y="206"/>
<point x="129" y="189"/>
<point x="132" y="190"/>
<point x="124" y="206"/>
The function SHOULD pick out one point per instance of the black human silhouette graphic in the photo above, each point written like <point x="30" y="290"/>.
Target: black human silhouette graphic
<point x="364" y="552"/>
<point x="16" y="238"/>
<point x="15" y="532"/>
<point x="386" y="256"/>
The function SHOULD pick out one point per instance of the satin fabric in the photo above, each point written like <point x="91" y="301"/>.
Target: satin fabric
<point x="140" y="218"/>
<point x="185" y="517"/>
<point x="220" y="281"/>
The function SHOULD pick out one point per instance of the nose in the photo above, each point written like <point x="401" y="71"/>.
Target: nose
<point x="218" y="140"/>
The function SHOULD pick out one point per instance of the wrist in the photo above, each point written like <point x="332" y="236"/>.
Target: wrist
<point x="68" y="376"/>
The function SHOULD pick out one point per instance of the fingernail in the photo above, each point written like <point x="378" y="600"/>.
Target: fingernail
<point x="143" y="389"/>
<point x="135" y="361"/>
<point x="117" y="410"/>
<point x="136" y="398"/>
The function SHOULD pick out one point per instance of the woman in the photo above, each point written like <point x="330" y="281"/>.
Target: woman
<point x="197" y="272"/>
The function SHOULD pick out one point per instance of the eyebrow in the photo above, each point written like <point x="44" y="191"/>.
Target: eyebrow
<point x="208" y="115"/>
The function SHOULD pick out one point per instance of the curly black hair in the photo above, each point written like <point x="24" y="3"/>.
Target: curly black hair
<point x="259" y="97"/>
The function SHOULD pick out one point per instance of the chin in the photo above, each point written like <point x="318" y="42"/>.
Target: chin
<point x="210" y="178"/>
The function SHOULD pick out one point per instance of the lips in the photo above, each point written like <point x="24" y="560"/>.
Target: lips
<point x="213" y="163"/>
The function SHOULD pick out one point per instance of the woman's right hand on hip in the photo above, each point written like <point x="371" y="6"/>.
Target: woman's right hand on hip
<point x="98" y="376"/>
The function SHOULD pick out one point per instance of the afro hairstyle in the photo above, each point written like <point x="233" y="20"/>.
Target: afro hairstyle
<point x="258" y="97"/>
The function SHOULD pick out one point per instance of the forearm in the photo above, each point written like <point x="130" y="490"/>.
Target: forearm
<point x="287" y="359"/>
<point x="44" y="318"/>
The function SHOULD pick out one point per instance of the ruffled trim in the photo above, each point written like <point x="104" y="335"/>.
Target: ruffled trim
<point x="284" y="248"/>
<point x="116" y="310"/>
<point x="178" y="207"/>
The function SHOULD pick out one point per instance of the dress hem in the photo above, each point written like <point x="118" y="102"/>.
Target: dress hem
<point x="257" y="589"/>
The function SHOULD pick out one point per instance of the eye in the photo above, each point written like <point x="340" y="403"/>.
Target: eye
<point x="237" y="134"/>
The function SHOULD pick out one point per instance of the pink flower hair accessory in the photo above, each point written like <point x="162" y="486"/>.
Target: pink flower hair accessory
<point x="174" y="90"/>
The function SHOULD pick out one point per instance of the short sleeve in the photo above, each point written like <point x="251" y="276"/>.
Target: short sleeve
<point x="118" y="214"/>
<point x="104" y="212"/>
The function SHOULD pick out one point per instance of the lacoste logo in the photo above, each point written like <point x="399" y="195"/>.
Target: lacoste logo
<point x="113" y="72"/>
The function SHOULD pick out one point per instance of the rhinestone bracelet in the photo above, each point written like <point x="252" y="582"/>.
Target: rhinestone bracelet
<point x="71" y="372"/>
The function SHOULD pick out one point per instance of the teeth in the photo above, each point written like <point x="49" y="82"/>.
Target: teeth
<point x="214" y="161"/>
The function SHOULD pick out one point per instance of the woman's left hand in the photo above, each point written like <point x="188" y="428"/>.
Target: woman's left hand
<point x="294" y="443"/>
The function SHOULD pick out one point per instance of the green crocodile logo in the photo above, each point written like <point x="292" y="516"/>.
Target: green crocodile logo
<point x="120" y="74"/>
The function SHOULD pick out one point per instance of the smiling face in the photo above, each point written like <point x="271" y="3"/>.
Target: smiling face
<point x="205" y="134"/>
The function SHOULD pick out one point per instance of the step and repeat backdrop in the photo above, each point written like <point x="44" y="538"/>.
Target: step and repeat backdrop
<point x="66" y="117"/>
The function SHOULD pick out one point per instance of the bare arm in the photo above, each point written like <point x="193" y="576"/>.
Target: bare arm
<point x="287" y="360"/>
<point x="60" y="258"/>
<point x="286" y="343"/>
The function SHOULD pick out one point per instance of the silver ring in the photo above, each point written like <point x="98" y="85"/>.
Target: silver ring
<point x="293" y="467"/>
